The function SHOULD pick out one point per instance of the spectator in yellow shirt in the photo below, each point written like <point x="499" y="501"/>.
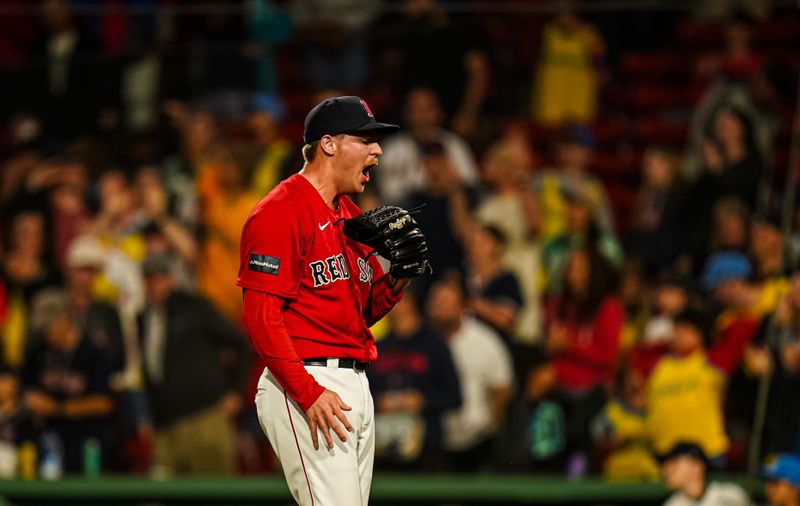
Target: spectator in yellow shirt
<point x="274" y="150"/>
<point x="224" y="214"/>
<point x="569" y="71"/>
<point x="686" y="389"/>
<point x="620" y="432"/>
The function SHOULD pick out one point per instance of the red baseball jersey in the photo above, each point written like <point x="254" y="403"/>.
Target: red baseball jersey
<point x="292" y="246"/>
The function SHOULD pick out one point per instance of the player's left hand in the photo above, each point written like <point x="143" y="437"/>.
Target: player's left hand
<point x="394" y="235"/>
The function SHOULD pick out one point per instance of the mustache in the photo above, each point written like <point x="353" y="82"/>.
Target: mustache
<point x="373" y="162"/>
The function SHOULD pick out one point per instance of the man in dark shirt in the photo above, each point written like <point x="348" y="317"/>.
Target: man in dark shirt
<point x="65" y="381"/>
<point x="495" y="296"/>
<point x="446" y="202"/>
<point x="195" y="368"/>
<point x="413" y="383"/>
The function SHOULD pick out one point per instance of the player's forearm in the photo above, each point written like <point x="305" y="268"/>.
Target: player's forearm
<point x="263" y="318"/>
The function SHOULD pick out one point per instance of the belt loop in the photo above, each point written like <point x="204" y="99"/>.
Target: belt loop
<point x="333" y="362"/>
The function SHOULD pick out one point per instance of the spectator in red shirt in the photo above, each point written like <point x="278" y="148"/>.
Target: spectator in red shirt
<point x="583" y="327"/>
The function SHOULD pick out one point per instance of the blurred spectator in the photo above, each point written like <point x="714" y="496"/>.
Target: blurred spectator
<point x="9" y="419"/>
<point x="569" y="178"/>
<point x="657" y="228"/>
<point x="783" y="481"/>
<point x="162" y="233"/>
<point x="671" y="295"/>
<point x="731" y="226"/>
<point x="335" y="40"/>
<point x="65" y="89"/>
<point x="584" y="326"/>
<point x="766" y="243"/>
<point x="426" y="44"/>
<point x="635" y="300"/>
<point x="402" y="171"/>
<point x="15" y="171"/>
<point x="445" y="217"/>
<point x="738" y="80"/>
<point x="198" y="132"/>
<point x="725" y="228"/>
<point x="224" y="214"/>
<point x="620" y="432"/>
<point x="94" y="320"/>
<point x="117" y="226"/>
<point x="727" y="276"/>
<point x="414" y="383"/>
<point x="57" y="188"/>
<point x="268" y="25"/>
<point x="65" y="381"/>
<point x="494" y="294"/>
<point x="734" y="168"/>
<point x="686" y="388"/>
<point x="582" y="232"/>
<point x="151" y="73"/>
<point x="26" y="271"/>
<point x="723" y="9"/>
<point x="738" y="59"/>
<point x="684" y="470"/>
<point x="485" y="373"/>
<point x="776" y="354"/>
<point x="744" y="164"/>
<point x="569" y="72"/>
<point x="511" y="207"/>
<point x="274" y="149"/>
<point x="195" y="366"/>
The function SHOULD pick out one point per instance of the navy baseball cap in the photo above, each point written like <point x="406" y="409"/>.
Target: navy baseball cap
<point x="342" y="115"/>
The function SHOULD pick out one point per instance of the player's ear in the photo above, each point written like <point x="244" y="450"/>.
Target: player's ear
<point x="328" y="145"/>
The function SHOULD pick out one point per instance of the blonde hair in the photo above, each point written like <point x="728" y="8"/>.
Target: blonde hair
<point x="310" y="151"/>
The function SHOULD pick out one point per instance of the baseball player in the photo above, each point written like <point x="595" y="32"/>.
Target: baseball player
<point x="312" y="289"/>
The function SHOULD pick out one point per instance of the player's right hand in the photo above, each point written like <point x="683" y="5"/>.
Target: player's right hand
<point x="323" y="415"/>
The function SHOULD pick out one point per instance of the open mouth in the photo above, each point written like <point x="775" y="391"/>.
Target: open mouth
<point x="367" y="168"/>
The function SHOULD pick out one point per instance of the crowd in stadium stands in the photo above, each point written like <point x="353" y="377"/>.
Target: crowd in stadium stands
<point x="588" y="312"/>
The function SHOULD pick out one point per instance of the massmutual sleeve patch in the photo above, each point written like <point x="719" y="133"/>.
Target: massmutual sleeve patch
<point x="264" y="263"/>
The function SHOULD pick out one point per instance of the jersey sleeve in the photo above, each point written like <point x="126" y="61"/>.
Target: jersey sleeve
<point x="272" y="250"/>
<point x="381" y="295"/>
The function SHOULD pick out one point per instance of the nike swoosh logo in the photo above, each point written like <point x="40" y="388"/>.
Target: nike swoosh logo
<point x="324" y="226"/>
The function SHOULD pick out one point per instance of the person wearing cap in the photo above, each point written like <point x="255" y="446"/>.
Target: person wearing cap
<point x="684" y="470"/>
<point x="686" y="388"/>
<point x="310" y="296"/>
<point x="783" y="481"/>
<point x="728" y="277"/>
<point x="65" y="381"/>
<point x="96" y="320"/>
<point x="192" y="394"/>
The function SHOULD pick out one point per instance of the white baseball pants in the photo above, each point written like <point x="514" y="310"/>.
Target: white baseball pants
<point x="338" y="477"/>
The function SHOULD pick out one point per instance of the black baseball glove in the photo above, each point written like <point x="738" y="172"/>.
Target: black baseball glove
<point x="393" y="234"/>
